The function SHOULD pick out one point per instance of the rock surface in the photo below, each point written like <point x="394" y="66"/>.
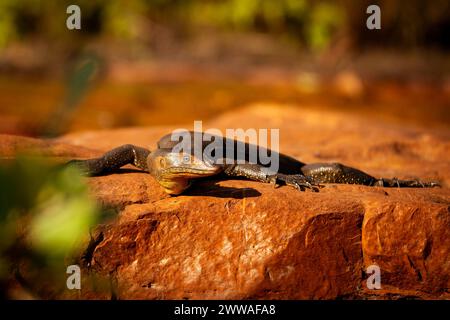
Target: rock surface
<point x="238" y="239"/>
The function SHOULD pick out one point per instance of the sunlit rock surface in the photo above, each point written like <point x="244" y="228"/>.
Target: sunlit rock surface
<point x="238" y="239"/>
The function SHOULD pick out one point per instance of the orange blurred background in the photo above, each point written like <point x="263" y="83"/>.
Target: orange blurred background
<point x="138" y="63"/>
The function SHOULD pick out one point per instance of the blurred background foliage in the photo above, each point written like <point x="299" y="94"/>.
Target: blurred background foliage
<point x="312" y="23"/>
<point x="216" y="55"/>
<point x="45" y="218"/>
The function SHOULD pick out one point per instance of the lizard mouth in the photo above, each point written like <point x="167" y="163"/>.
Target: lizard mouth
<point x="193" y="172"/>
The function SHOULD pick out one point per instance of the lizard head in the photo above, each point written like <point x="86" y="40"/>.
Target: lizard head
<point x="173" y="170"/>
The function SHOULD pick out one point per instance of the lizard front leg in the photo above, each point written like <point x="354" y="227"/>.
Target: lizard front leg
<point x="113" y="160"/>
<point x="260" y="173"/>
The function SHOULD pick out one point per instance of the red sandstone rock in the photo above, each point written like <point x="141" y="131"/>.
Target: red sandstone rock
<point x="12" y="145"/>
<point x="242" y="239"/>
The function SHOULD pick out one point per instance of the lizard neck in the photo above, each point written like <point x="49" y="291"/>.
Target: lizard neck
<point x="174" y="186"/>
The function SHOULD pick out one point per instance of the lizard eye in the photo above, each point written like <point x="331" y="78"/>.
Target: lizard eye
<point x="162" y="162"/>
<point x="186" y="159"/>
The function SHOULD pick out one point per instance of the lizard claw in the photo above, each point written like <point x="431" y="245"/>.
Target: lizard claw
<point x="416" y="183"/>
<point x="430" y="184"/>
<point x="298" y="181"/>
<point x="422" y="184"/>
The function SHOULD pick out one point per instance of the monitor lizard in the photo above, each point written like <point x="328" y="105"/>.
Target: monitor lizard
<point x="176" y="170"/>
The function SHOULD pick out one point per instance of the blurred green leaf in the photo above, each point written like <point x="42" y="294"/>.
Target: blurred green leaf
<point x="45" y="215"/>
<point x="325" y="20"/>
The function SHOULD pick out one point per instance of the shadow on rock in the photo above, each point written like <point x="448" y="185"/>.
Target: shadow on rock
<point x="209" y="189"/>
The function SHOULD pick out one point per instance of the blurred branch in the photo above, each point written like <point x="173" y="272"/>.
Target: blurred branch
<point x="80" y="80"/>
